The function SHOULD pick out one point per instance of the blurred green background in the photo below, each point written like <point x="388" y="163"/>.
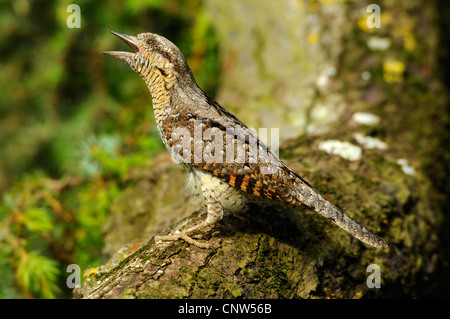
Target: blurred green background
<point x="72" y="121"/>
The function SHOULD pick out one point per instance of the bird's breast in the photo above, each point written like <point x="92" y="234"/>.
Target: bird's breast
<point x="232" y="199"/>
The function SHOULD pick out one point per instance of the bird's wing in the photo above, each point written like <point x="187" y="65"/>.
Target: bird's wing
<point x="227" y="149"/>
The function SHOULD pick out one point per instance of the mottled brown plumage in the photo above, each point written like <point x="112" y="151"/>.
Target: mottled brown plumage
<point x="227" y="163"/>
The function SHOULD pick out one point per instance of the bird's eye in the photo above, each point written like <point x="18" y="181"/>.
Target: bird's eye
<point x="150" y="41"/>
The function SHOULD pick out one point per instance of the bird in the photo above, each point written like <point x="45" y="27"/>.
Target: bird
<point x="226" y="162"/>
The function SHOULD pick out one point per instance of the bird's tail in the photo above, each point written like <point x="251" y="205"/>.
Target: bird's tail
<point x="337" y="216"/>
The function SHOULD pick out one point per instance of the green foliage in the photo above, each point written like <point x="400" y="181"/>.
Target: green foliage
<point x="72" y="124"/>
<point x="37" y="274"/>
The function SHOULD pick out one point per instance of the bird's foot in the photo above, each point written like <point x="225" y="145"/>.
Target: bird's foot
<point x="184" y="235"/>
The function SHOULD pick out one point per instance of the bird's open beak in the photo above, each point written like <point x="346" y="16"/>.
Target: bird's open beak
<point x="130" y="40"/>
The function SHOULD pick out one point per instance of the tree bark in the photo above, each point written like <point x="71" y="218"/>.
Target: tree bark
<point x="306" y="67"/>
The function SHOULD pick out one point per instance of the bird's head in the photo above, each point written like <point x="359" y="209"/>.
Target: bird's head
<point x="153" y="54"/>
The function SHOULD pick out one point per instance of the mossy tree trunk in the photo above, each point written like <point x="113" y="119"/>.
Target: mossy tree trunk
<point x="306" y="67"/>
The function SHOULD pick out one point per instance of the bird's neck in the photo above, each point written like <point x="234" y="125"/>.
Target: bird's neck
<point x="159" y="86"/>
<point x="165" y="89"/>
